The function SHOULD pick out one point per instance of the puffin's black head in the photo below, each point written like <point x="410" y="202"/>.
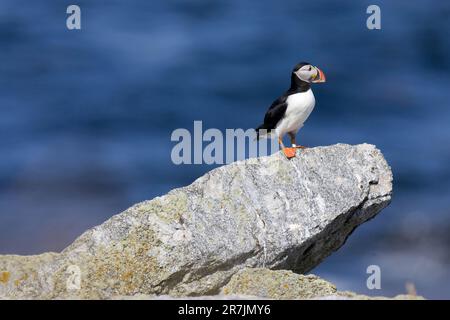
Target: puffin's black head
<point x="306" y="72"/>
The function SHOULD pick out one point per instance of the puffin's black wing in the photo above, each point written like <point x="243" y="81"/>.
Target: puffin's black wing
<point x="273" y="114"/>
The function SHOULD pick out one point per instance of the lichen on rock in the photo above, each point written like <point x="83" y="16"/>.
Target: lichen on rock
<point x="279" y="284"/>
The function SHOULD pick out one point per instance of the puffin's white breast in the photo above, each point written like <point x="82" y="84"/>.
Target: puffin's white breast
<point x="299" y="107"/>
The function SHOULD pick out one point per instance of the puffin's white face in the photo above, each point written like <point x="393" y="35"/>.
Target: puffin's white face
<point x="309" y="73"/>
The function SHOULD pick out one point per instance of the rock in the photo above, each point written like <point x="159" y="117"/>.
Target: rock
<point x="284" y="284"/>
<point x="347" y="295"/>
<point x="264" y="212"/>
<point x="280" y="284"/>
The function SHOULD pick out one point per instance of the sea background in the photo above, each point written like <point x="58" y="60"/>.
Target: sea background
<point x="86" y="116"/>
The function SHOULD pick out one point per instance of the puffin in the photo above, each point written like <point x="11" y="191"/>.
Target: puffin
<point x="288" y="113"/>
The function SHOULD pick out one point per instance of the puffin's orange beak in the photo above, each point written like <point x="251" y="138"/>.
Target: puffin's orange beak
<point x="320" y="77"/>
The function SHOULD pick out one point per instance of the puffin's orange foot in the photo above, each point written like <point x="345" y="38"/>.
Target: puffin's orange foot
<point x="289" y="152"/>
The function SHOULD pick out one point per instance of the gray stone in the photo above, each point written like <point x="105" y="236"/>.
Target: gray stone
<point x="286" y="285"/>
<point x="279" y="284"/>
<point x="264" y="212"/>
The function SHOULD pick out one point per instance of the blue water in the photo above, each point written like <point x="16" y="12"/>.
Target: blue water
<point x="86" y="116"/>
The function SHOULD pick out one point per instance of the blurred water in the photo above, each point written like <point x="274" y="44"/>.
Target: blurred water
<point x="86" y="116"/>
